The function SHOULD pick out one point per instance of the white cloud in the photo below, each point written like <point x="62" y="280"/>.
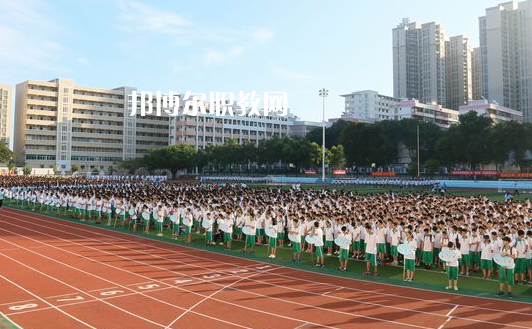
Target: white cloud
<point x="26" y="35"/>
<point x="236" y="51"/>
<point x="83" y="61"/>
<point x="146" y="21"/>
<point x="137" y="16"/>
<point x="290" y="74"/>
<point x="213" y="56"/>
<point x="262" y="36"/>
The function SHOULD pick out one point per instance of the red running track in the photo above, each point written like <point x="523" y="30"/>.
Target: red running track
<point x="59" y="274"/>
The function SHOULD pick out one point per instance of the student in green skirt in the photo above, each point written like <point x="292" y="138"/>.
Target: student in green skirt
<point x="296" y="246"/>
<point x="452" y="268"/>
<point x="344" y="251"/>
<point x="272" y="243"/>
<point x="208" y="230"/>
<point x="329" y="237"/>
<point x="521" y="263"/>
<point x="427" y="245"/>
<point x="251" y="223"/>
<point x="410" y="260"/>
<point x="506" y="274"/>
<point x="228" y="234"/>
<point x="318" y="233"/>
<point x="486" y="261"/>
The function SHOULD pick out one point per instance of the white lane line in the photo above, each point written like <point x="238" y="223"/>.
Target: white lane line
<point x="330" y="292"/>
<point x="18" y="302"/>
<point x="164" y="269"/>
<point x="75" y="288"/>
<point x="171" y="260"/>
<point x="204" y="299"/>
<point x="46" y="302"/>
<point x="449" y="317"/>
<point x="265" y="296"/>
<point x="95" y="229"/>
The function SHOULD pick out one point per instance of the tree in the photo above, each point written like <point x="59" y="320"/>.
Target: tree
<point x="5" y="153"/>
<point x="74" y="168"/>
<point x="130" y="165"/>
<point x="26" y="170"/>
<point x="332" y="134"/>
<point x="11" y="167"/>
<point x="173" y="158"/>
<point x="432" y="166"/>
<point x="337" y="156"/>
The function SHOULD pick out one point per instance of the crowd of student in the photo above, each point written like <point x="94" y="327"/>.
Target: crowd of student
<point x="324" y="222"/>
<point x="379" y="182"/>
<point x="245" y="179"/>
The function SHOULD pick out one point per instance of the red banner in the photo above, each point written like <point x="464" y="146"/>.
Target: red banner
<point x="339" y="171"/>
<point x="310" y="171"/>
<point x="516" y="175"/>
<point x="474" y="172"/>
<point x="384" y="173"/>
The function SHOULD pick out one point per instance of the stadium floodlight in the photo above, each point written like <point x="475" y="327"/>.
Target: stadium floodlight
<point x="323" y="93"/>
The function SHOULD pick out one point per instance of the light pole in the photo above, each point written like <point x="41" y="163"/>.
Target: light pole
<point x="323" y="93"/>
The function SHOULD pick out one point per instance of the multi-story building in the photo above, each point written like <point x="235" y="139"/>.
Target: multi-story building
<point x="60" y="124"/>
<point x="476" y="74"/>
<point x="435" y="113"/>
<point x="5" y="113"/>
<point x="458" y="72"/>
<point x="419" y="62"/>
<point x="506" y="54"/>
<point x="406" y="60"/>
<point x="497" y="113"/>
<point x="300" y="128"/>
<point x="369" y="105"/>
<point x="205" y="129"/>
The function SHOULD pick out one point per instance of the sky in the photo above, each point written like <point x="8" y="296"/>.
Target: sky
<point x="205" y="46"/>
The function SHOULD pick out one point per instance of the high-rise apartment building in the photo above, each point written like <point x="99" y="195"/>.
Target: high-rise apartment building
<point x="506" y="55"/>
<point x="476" y="74"/>
<point x="58" y="123"/>
<point x="458" y="72"/>
<point x="6" y="93"/>
<point x="419" y="62"/>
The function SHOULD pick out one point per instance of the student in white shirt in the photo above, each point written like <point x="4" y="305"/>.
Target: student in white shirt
<point x="251" y="223"/>
<point x="371" y="251"/>
<point x="410" y="259"/>
<point x="521" y="263"/>
<point x="486" y="257"/>
<point x="329" y="237"/>
<point x="465" y="244"/>
<point x="395" y="237"/>
<point x="272" y="242"/>
<point x="318" y="233"/>
<point x="452" y="267"/>
<point x="344" y="250"/>
<point x="506" y="274"/>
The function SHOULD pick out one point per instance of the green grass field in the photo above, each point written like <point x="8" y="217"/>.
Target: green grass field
<point x="424" y="279"/>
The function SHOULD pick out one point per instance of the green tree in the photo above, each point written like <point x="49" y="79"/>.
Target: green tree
<point x="5" y="153"/>
<point x="26" y="170"/>
<point x="173" y="158"/>
<point x="11" y="166"/>
<point x="332" y="134"/>
<point x="130" y="165"/>
<point x="432" y="166"/>
<point x="74" y="168"/>
<point x="337" y="156"/>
